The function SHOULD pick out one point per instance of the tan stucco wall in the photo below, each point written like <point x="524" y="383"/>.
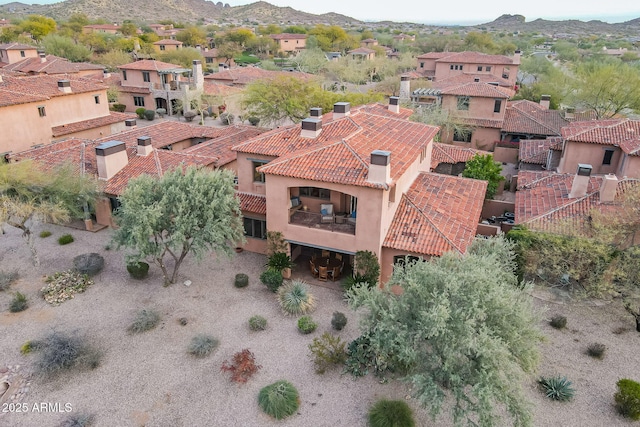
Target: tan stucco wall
<point x="291" y="45"/>
<point x="481" y="139"/>
<point x="245" y="173"/>
<point x="135" y="78"/>
<point x="443" y="70"/>
<point x="386" y="262"/>
<point x="127" y="99"/>
<point x="630" y="167"/>
<point x="12" y="56"/>
<point x="167" y="48"/>
<point x="591" y="154"/>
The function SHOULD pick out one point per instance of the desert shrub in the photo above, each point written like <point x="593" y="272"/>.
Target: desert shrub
<point x="145" y="320"/>
<point x="279" y="399"/>
<point x="18" y="303"/>
<point x="30" y="346"/>
<point x="44" y="234"/>
<point x="77" y="420"/>
<point x="89" y="264"/>
<point x="140" y="112"/>
<point x="338" y="321"/>
<point x="242" y="366"/>
<point x="272" y="279"/>
<point x="7" y="279"/>
<point x="628" y="398"/>
<point x="183" y="321"/>
<point x="189" y="115"/>
<point x="353" y="279"/>
<point x="391" y="413"/>
<point x="326" y="351"/>
<point x="202" y="345"/>
<point x="253" y="120"/>
<point x="227" y="118"/>
<point x="149" y="114"/>
<point x="161" y="112"/>
<point x="557" y="388"/>
<point x="558" y="322"/>
<point x="361" y="358"/>
<point x="596" y="350"/>
<point x="138" y="270"/>
<point x="65" y="239"/>
<point x="60" y="352"/>
<point x="241" y="281"/>
<point x="119" y="108"/>
<point x="295" y="298"/>
<point x="278" y="261"/>
<point x="306" y="325"/>
<point x="63" y="285"/>
<point x="257" y="323"/>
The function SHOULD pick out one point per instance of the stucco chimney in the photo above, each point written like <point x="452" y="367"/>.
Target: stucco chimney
<point x="220" y="67"/>
<point x="405" y="87"/>
<point x="580" y="181"/>
<point x="311" y="127"/>
<point x="130" y="124"/>
<point x="316" y="112"/>
<point x="570" y="113"/>
<point x="394" y="104"/>
<point x="545" y="101"/>
<point x="144" y="146"/>
<point x="608" y="188"/>
<point x="64" y="86"/>
<point x="380" y="167"/>
<point x="516" y="56"/>
<point x="476" y="79"/>
<point x="198" y="77"/>
<point x="42" y="56"/>
<point x="111" y="157"/>
<point x="341" y="109"/>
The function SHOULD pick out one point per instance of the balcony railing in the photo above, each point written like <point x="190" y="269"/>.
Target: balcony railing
<point x="341" y="224"/>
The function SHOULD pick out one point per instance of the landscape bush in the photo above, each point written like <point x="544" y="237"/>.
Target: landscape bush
<point x="140" y="112"/>
<point x="272" y="279"/>
<point x="202" y="345"/>
<point x="257" y="323"/>
<point x="18" y="303"/>
<point x="327" y="351"/>
<point x="558" y="322"/>
<point x="295" y="298"/>
<point x="60" y="352"/>
<point x="78" y="420"/>
<point x="7" y="279"/>
<point x="145" y="320"/>
<point x="557" y="388"/>
<point x="338" y="321"/>
<point x="138" y="270"/>
<point x="361" y="358"/>
<point x="120" y="108"/>
<point x="149" y="114"/>
<point x="161" y="112"/>
<point x="227" y="118"/>
<point x="189" y="115"/>
<point x="391" y="413"/>
<point x="279" y="399"/>
<point x="253" y="120"/>
<point x="30" y="346"/>
<point x="241" y="280"/>
<point x="89" y="264"/>
<point x="44" y="234"/>
<point x="628" y="398"/>
<point x="596" y="350"/>
<point x="65" y="239"/>
<point x="64" y="285"/>
<point x="242" y="366"/>
<point x="306" y="325"/>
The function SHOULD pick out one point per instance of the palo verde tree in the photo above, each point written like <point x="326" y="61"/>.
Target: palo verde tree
<point x="185" y="211"/>
<point x="30" y="194"/>
<point x="462" y="331"/>
<point x="485" y="168"/>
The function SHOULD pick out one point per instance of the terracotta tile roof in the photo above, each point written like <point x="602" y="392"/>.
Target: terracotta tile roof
<point x="25" y="89"/>
<point x="287" y="36"/>
<point x="535" y="151"/>
<point x="52" y="65"/>
<point x="483" y="90"/>
<point x="133" y="89"/>
<point x="341" y="153"/>
<point x="69" y="128"/>
<point x="434" y="55"/>
<point x="446" y="153"/>
<point x="168" y="42"/>
<point x="210" y="53"/>
<point x="475" y="58"/>
<point x="252" y="203"/>
<point x="219" y="89"/>
<point x="617" y="132"/>
<point x="149" y="65"/>
<point x="222" y="140"/>
<point x="103" y="27"/>
<point x="470" y="78"/>
<point x="526" y="117"/>
<point x="414" y="74"/>
<point x="438" y="214"/>
<point x="16" y="46"/>
<point x="362" y="50"/>
<point x="246" y="75"/>
<point x="480" y="123"/>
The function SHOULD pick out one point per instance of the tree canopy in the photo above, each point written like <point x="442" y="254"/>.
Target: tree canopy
<point x="485" y="168"/>
<point x="462" y="330"/>
<point x="185" y="211"/>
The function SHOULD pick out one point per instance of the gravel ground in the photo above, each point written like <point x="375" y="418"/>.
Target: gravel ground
<point x="149" y="380"/>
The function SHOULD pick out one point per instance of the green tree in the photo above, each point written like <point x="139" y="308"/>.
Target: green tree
<point x="309" y="61"/>
<point x="129" y="29"/>
<point x="183" y="57"/>
<point x="30" y="194"/>
<point x="113" y="59"/>
<point x="462" y="329"/>
<point x="185" y="211"/>
<point x="192" y="36"/>
<point x="65" y="47"/>
<point x="437" y="116"/>
<point x="295" y="29"/>
<point x="38" y="26"/>
<point x="485" y="168"/>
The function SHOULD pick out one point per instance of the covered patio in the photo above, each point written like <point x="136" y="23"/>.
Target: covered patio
<point x="321" y="266"/>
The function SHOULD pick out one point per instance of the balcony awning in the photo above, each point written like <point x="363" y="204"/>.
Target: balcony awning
<point x="174" y="71"/>
<point x="426" y="92"/>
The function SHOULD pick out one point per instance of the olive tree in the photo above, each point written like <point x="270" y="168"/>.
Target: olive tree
<point x="462" y="331"/>
<point x="185" y="211"/>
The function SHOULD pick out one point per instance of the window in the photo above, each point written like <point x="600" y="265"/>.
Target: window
<point x="138" y="101"/>
<point x="400" y="260"/>
<point x="41" y="111"/>
<point x="146" y="77"/>
<point x="124" y="74"/>
<point x="608" y="155"/>
<point x="96" y="98"/>
<point x="463" y="103"/>
<point x="462" y="135"/>
<point x="422" y="65"/>
<point x="162" y="47"/>
<point x="497" y="105"/>
<point x="451" y="67"/>
<point x="115" y="203"/>
<point x="22" y="53"/>
<point x="258" y="176"/>
<point x="487" y="68"/>
<point x="319" y="193"/>
<point x="256" y="228"/>
<point x="479" y="67"/>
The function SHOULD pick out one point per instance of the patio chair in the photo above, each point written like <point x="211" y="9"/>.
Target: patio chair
<point x="335" y="273"/>
<point x="339" y="257"/>
<point x="323" y="275"/>
<point x="314" y="270"/>
<point x="327" y="214"/>
<point x="325" y="254"/>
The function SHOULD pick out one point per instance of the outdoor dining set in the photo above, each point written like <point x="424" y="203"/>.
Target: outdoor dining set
<point x="327" y="266"/>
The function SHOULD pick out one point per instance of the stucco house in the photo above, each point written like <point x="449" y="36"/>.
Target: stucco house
<point x="362" y="53"/>
<point x="101" y="28"/>
<point x="355" y="180"/>
<point x="15" y="52"/>
<point x="443" y="65"/>
<point x="290" y="43"/>
<point x="54" y="66"/>
<point x="167" y="45"/>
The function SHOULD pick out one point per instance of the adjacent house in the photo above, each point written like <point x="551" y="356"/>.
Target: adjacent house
<point x="362" y="53"/>
<point x="15" y="52"/>
<point x="55" y="66"/>
<point x="242" y="76"/>
<point x="290" y="43"/>
<point x="167" y="45"/>
<point x="443" y="65"/>
<point x="101" y="28"/>
<point x="368" y="43"/>
<point x="213" y="59"/>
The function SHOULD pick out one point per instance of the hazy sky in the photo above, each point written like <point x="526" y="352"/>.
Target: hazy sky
<point x="457" y="11"/>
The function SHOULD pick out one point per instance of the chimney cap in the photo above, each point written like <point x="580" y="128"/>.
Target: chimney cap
<point x="315" y="112"/>
<point x="545" y="97"/>
<point x="144" y="140"/>
<point x="220" y="64"/>
<point x="130" y="122"/>
<point x="110" y="147"/>
<point x="64" y="83"/>
<point x="584" y="169"/>
<point x="380" y="157"/>
<point x="197" y="62"/>
<point x="476" y="79"/>
<point x="341" y="107"/>
<point x="311" y="123"/>
<point x="394" y="100"/>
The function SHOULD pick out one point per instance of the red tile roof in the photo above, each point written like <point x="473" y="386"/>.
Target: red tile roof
<point x="482" y="90"/>
<point x="621" y="132"/>
<point x="446" y="153"/>
<point x="222" y="140"/>
<point x="526" y="117"/>
<point x="25" y="89"/>
<point x="434" y="55"/>
<point x="438" y="214"/>
<point x="480" y="123"/>
<point x="535" y="151"/>
<point x="219" y="89"/>
<point x="103" y="27"/>
<point x="470" y="78"/>
<point x="69" y="128"/>
<point x="52" y="65"/>
<point x="16" y="46"/>
<point x="362" y="50"/>
<point x="149" y="65"/>
<point x="475" y="58"/>
<point x="246" y="75"/>
<point x="252" y="203"/>
<point x="168" y="42"/>
<point x="288" y="36"/>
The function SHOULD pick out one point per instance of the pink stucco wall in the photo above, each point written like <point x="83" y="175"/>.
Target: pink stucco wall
<point x="592" y="154"/>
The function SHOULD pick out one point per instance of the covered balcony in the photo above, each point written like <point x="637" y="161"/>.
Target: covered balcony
<point x="323" y="209"/>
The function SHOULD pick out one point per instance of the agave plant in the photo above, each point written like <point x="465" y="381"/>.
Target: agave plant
<point x="557" y="388"/>
<point x="295" y="298"/>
